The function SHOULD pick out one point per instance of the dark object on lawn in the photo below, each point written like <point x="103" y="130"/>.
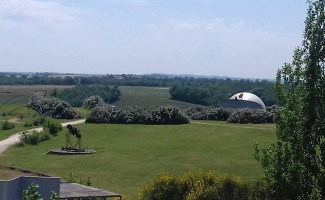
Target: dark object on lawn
<point x="68" y="145"/>
<point x="74" y="131"/>
<point x="70" y="149"/>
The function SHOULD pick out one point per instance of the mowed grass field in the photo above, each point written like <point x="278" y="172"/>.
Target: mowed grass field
<point x="20" y="93"/>
<point x="148" y="97"/>
<point x="128" y="156"/>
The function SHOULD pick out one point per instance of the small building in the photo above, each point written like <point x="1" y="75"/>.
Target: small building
<point x="243" y="100"/>
<point x="19" y="180"/>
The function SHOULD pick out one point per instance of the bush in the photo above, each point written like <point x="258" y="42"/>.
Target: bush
<point x="53" y="126"/>
<point x="92" y="102"/>
<point x="136" y="115"/>
<point x="34" y="137"/>
<point x="199" y="185"/>
<point x="28" y="124"/>
<point x="51" y="106"/>
<point x="7" y="126"/>
<point x="208" y="113"/>
<point x="39" y="121"/>
<point x="244" y="116"/>
<point x="167" y="115"/>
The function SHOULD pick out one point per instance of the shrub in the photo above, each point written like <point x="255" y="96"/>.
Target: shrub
<point x="167" y="115"/>
<point x="208" y="113"/>
<point x="53" y="126"/>
<point x="39" y="121"/>
<point x="92" y="102"/>
<point x="32" y="193"/>
<point x="244" y="116"/>
<point x="34" y="137"/>
<point x="28" y="124"/>
<point x="51" y="106"/>
<point x="199" y="185"/>
<point x="80" y="180"/>
<point x="7" y="126"/>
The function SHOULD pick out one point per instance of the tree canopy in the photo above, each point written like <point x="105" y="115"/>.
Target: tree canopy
<point x="295" y="164"/>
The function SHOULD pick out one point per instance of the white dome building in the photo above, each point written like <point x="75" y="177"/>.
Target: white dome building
<point x="243" y="100"/>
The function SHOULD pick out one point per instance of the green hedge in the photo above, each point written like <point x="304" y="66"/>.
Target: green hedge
<point x="199" y="185"/>
<point x="136" y="115"/>
<point x="208" y="113"/>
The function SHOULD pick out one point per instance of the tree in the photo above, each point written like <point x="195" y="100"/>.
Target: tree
<point x="32" y="194"/>
<point x="295" y="165"/>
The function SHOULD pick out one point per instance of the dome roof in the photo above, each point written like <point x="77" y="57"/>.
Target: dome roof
<point x="246" y="96"/>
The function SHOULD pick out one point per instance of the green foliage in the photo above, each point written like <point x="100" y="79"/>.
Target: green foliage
<point x="136" y="115"/>
<point x="51" y="106"/>
<point x="167" y="115"/>
<point x="7" y="125"/>
<point x="53" y="126"/>
<point x="208" y="113"/>
<point x="92" y="102"/>
<point x="34" y="137"/>
<point x="55" y="196"/>
<point x="77" y="95"/>
<point x="28" y="124"/>
<point x="212" y="94"/>
<point x="32" y="193"/>
<point x="294" y="165"/>
<point x="198" y="185"/>
<point x="80" y="180"/>
<point x="255" y="116"/>
<point x="39" y="121"/>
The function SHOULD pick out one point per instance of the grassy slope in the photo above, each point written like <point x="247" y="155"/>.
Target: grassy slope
<point x="150" y="97"/>
<point x="128" y="156"/>
<point x="24" y="91"/>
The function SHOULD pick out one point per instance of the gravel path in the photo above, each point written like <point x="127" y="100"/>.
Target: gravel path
<point x="13" y="139"/>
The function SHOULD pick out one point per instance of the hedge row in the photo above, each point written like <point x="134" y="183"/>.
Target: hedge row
<point x="244" y="116"/>
<point x="208" y="113"/>
<point x="164" y="115"/>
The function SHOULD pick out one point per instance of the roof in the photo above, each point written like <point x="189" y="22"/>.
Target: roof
<point x="74" y="191"/>
<point x="246" y="96"/>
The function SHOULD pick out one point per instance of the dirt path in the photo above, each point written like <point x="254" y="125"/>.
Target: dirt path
<point x="247" y="127"/>
<point x="13" y="139"/>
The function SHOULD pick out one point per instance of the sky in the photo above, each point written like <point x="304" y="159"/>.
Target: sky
<point x="235" y="38"/>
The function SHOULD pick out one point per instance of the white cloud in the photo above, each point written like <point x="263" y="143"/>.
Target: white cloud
<point x="218" y="46"/>
<point x="136" y="3"/>
<point x="46" y="13"/>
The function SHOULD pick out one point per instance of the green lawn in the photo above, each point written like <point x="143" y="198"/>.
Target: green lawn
<point x="12" y="94"/>
<point x="128" y="156"/>
<point x="149" y="97"/>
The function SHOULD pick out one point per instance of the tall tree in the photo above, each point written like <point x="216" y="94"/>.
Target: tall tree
<point x="295" y="165"/>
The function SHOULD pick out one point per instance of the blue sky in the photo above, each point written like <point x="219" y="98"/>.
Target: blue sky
<point x="249" y="39"/>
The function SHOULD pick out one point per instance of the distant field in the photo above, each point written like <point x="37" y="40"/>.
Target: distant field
<point x="128" y="156"/>
<point x="20" y="93"/>
<point x="150" y="97"/>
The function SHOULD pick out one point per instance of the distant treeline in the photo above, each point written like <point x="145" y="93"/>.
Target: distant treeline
<point x="76" y="95"/>
<point x="110" y="79"/>
<point x="203" y="91"/>
<point x="213" y="93"/>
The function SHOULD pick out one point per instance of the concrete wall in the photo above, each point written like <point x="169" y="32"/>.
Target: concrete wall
<point x="13" y="189"/>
